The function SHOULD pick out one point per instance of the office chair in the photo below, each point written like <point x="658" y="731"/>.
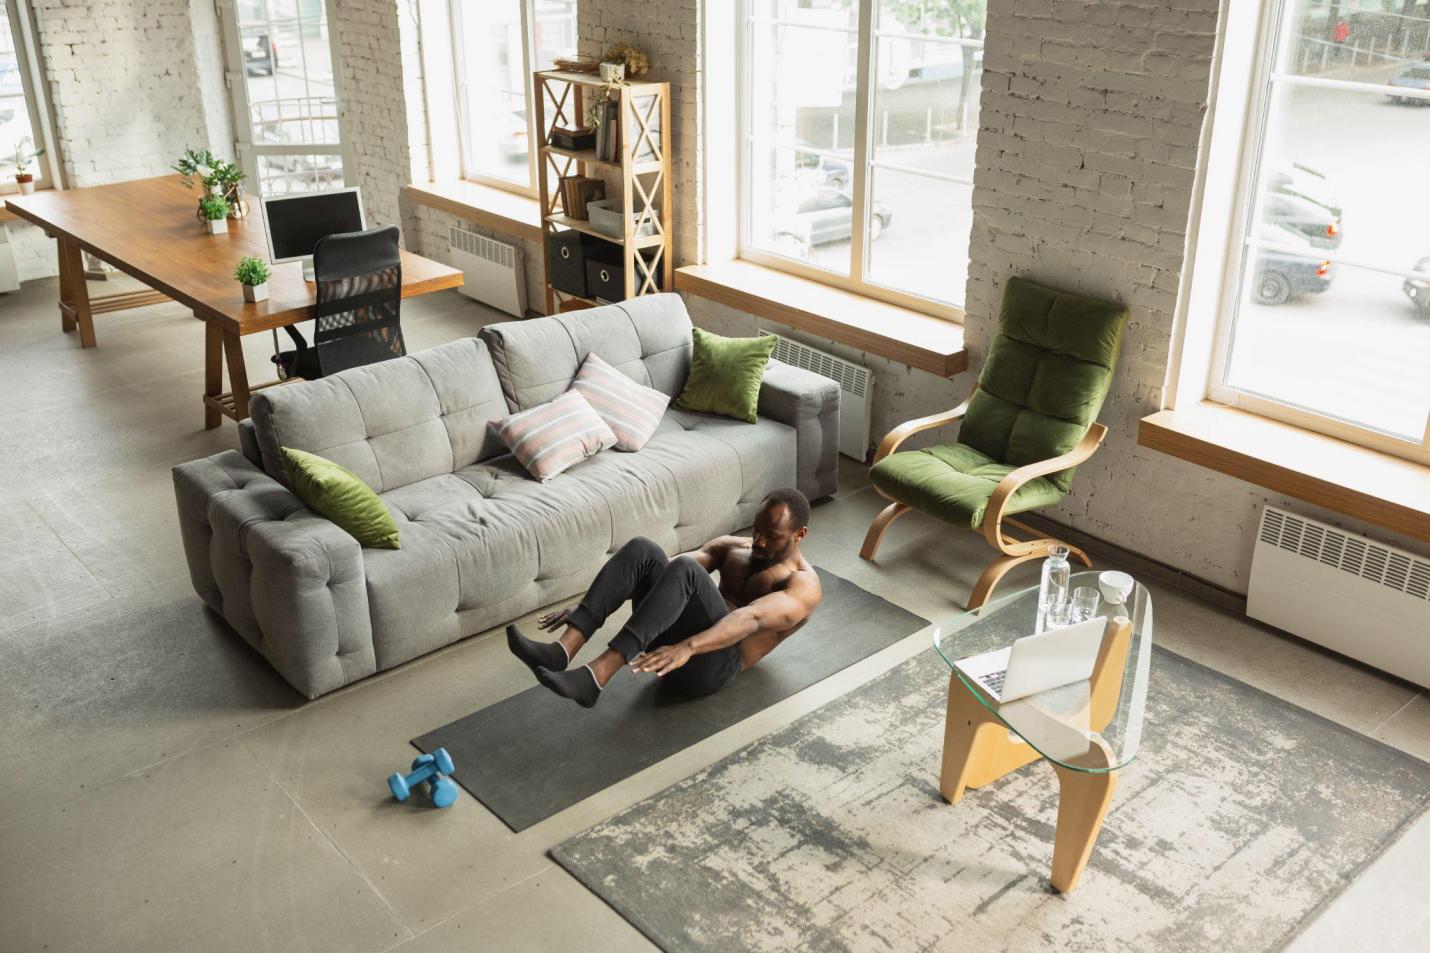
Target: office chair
<point x="356" y="319"/>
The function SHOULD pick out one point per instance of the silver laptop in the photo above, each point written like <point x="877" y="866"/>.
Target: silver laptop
<point x="1038" y="663"/>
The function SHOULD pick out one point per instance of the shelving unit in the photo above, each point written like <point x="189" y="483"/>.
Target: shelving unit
<point x="640" y="174"/>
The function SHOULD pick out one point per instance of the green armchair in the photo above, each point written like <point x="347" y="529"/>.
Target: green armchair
<point x="1029" y="422"/>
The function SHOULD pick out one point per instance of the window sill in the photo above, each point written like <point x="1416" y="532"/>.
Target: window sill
<point x="1355" y="481"/>
<point x="504" y="212"/>
<point x="899" y="334"/>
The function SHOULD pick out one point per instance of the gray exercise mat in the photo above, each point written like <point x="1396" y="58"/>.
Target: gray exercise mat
<point x="534" y="754"/>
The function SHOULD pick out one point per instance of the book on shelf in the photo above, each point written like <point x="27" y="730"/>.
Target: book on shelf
<point x="579" y="190"/>
<point x="608" y="133"/>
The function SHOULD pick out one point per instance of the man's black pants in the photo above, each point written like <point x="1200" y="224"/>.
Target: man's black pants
<point x="673" y="599"/>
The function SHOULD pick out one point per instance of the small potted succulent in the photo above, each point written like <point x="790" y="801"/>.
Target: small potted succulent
<point x="214" y="211"/>
<point x="253" y="273"/>
<point x="24" y="178"/>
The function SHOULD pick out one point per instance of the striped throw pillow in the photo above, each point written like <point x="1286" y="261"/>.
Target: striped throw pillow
<point x="553" y="436"/>
<point x="632" y="410"/>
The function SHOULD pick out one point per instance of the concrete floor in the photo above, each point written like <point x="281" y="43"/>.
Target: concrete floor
<point x="165" y="790"/>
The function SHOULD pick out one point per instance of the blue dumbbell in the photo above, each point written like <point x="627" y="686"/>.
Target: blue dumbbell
<point x="431" y="769"/>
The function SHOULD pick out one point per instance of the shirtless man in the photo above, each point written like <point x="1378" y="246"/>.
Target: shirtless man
<point x="684" y="626"/>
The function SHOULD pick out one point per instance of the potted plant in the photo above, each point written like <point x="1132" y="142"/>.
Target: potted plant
<point x="253" y="273"/>
<point x="216" y="176"/>
<point x="24" y="178"/>
<point x="632" y="62"/>
<point x="214" y="211"/>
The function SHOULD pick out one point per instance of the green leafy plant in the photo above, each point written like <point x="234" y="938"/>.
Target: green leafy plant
<point x="23" y="157"/>
<point x="251" y="270"/>
<point x="215" y="174"/>
<point x="213" y="208"/>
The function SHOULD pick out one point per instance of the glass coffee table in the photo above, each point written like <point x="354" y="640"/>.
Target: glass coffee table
<point x="1088" y="730"/>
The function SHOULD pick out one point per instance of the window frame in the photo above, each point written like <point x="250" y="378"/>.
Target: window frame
<point x="1257" y="74"/>
<point x="861" y="163"/>
<point x="459" y="95"/>
<point x="46" y="169"/>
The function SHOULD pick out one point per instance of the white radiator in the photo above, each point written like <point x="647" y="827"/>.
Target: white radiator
<point x="1343" y="591"/>
<point x="856" y="385"/>
<point x="493" y="271"/>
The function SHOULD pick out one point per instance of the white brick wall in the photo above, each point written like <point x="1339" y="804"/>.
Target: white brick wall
<point x="669" y="33"/>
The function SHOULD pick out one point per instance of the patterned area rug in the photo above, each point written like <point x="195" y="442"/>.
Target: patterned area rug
<point x="1242" y="816"/>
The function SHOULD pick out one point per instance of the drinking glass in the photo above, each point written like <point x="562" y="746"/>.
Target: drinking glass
<point x="1061" y="615"/>
<point x="1084" y="603"/>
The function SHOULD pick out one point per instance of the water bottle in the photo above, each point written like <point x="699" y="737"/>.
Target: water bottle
<point x="1053" y="591"/>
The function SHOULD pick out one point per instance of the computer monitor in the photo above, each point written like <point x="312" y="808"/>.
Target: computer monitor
<point x="295" y="223"/>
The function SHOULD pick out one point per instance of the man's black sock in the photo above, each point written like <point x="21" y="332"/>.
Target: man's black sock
<point x="579" y="685"/>
<point x="549" y="655"/>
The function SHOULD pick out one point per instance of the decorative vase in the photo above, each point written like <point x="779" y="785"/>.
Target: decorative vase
<point x="255" y="293"/>
<point x="26" y="184"/>
<point x="613" y="72"/>
<point x="217" y="226"/>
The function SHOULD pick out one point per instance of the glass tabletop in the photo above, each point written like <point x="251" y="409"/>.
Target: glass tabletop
<point x="1092" y="725"/>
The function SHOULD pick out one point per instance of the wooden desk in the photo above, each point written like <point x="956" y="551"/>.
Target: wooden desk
<point x="147" y="229"/>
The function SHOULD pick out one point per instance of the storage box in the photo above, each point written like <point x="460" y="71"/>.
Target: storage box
<point x="605" y="216"/>
<point x="573" y="139"/>
<point x="566" y="257"/>
<point x="606" y="280"/>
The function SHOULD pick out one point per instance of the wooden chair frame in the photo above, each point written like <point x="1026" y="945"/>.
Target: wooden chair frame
<point x="1011" y="550"/>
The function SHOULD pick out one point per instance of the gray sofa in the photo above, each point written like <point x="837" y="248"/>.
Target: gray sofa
<point x="482" y="542"/>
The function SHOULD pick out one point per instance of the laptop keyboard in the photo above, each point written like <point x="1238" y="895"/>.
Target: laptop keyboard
<point x="994" y="681"/>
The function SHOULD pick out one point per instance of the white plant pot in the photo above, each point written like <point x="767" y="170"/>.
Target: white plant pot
<point x="218" y="226"/>
<point x="613" y="72"/>
<point x="255" y="293"/>
<point x="26" y="188"/>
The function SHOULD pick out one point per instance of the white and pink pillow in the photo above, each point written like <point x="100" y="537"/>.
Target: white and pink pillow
<point x="631" y="410"/>
<point x="554" y="436"/>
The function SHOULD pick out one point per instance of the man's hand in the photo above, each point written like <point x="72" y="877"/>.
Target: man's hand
<point x="553" y="620"/>
<point x="662" y="661"/>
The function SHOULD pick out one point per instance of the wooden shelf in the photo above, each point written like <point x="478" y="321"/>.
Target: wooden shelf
<point x="909" y="337"/>
<point x="583" y="225"/>
<point x="1342" y="477"/>
<point x="641" y="189"/>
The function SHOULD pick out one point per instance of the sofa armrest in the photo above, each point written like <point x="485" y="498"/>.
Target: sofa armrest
<point x="810" y="404"/>
<point x="289" y="581"/>
<point x="248" y="442"/>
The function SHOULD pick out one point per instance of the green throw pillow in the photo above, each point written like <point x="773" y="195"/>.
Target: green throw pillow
<point x="725" y="375"/>
<point x="338" y="494"/>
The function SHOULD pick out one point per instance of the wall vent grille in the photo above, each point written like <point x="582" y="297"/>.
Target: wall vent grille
<point x="851" y="377"/>
<point x="1383" y="565"/>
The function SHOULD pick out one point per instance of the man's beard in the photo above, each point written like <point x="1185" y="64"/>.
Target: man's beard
<point x="759" y="565"/>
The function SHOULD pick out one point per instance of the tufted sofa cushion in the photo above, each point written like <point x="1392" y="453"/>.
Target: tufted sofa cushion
<point x="646" y="338"/>
<point x="1046" y="376"/>
<point x="392" y="423"/>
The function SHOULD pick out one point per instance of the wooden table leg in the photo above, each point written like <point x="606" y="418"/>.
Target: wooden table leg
<point x="1083" y="800"/>
<point x="213" y="373"/>
<point x="74" y="293"/>
<point x="978" y="749"/>
<point x="237" y="373"/>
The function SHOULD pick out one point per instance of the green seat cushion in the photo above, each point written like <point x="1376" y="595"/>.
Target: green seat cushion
<point x="1046" y="376"/>
<point x="953" y="482"/>
<point x="338" y="494"/>
<point x="725" y="375"/>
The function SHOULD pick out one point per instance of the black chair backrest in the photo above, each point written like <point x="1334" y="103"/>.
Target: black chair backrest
<point x="359" y="277"/>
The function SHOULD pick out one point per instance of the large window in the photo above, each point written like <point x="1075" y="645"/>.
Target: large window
<point x="286" y="106"/>
<point x="498" y="44"/>
<point x="20" y="135"/>
<point x="857" y="134"/>
<point x="1326" y="293"/>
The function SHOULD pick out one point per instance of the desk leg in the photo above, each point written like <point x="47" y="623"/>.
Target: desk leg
<point x="237" y="373"/>
<point x="977" y="748"/>
<point x="74" y="293"/>
<point x="1083" y="800"/>
<point x="213" y="373"/>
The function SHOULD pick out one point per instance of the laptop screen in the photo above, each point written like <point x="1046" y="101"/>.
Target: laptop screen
<point x="296" y="223"/>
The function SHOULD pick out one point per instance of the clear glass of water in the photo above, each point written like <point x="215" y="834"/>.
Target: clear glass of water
<point x="1084" y="603"/>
